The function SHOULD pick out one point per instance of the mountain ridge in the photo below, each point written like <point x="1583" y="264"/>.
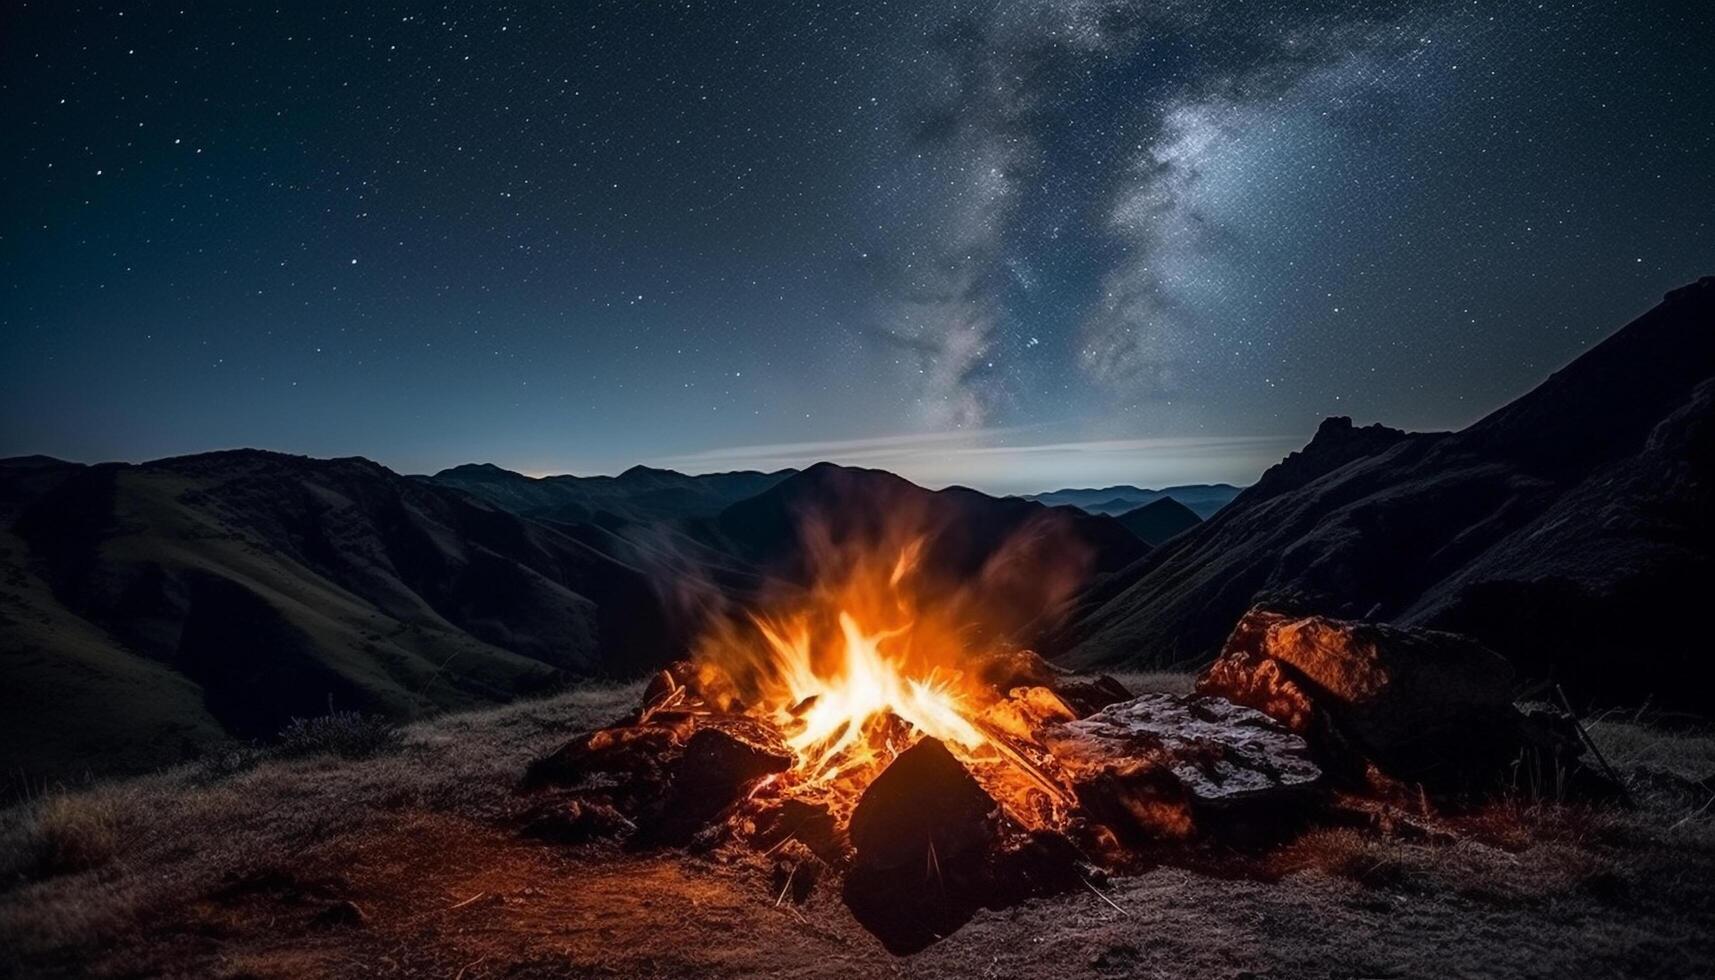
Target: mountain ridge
<point x="1562" y="527"/>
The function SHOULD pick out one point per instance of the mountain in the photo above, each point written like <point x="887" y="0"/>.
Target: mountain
<point x="1159" y="520"/>
<point x="153" y="611"/>
<point x="1203" y="499"/>
<point x="1570" y="530"/>
<point x="639" y="495"/>
<point x="152" y="608"/>
<point x="1023" y="556"/>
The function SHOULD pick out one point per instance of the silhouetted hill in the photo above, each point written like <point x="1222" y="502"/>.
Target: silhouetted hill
<point x="1203" y="499"/>
<point x="1156" y="522"/>
<point x="153" y="606"/>
<point x="1016" y="549"/>
<point x="640" y="494"/>
<point x="152" y="611"/>
<point x="1570" y="529"/>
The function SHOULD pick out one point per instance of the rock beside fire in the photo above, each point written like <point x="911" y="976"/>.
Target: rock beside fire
<point x="923" y="831"/>
<point x="924" y="807"/>
<point x="1421" y="706"/>
<point x="724" y="758"/>
<point x="1164" y="767"/>
<point x="635" y="752"/>
<point x="576" y="822"/>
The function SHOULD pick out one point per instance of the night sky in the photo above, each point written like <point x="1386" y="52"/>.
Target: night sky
<point x="1014" y="245"/>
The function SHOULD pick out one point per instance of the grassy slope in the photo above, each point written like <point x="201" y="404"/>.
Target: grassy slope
<point x="132" y="711"/>
<point x="137" y="713"/>
<point x="225" y="872"/>
<point x="393" y="658"/>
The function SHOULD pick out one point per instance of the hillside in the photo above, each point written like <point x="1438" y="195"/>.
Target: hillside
<point x="1158" y="521"/>
<point x="156" y="611"/>
<point x="641" y="494"/>
<point x="153" y="609"/>
<point x="1570" y="530"/>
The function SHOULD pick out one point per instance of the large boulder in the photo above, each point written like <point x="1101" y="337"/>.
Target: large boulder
<point x="924" y="802"/>
<point x="923" y="831"/>
<point x="1166" y="767"/>
<point x="1421" y="705"/>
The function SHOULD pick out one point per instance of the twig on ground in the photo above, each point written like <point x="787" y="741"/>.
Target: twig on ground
<point x="1625" y="794"/>
<point x="1693" y="815"/>
<point x="1097" y="892"/>
<point x="465" y="902"/>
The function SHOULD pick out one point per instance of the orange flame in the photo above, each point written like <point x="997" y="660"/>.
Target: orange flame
<point x="878" y="651"/>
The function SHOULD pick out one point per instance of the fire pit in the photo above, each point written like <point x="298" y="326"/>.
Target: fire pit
<point x="856" y="731"/>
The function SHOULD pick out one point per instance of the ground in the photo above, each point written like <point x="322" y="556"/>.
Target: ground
<point x="408" y="863"/>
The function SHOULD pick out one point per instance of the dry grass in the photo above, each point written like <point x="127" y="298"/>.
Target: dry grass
<point x="226" y="868"/>
<point x="345" y="734"/>
<point x="62" y="833"/>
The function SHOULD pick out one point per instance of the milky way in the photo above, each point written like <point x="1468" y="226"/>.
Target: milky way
<point x="1016" y="244"/>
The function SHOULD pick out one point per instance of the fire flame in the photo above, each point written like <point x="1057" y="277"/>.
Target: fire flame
<point x="877" y="654"/>
<point x="831" y="716"/>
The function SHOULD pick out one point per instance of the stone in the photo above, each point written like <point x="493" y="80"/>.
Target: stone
<point x="1423" y="705"/>
<point x="1165" y="767"/>
<point x="923" y="831"/>
<point x="635" y="751"/>
<point x="924" y="807"/>
<point x="576" y="822"/>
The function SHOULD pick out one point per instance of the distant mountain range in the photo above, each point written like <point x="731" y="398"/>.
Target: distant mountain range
<point x="1202" y="499"/>
<point x="150" y="611"/>
<point x="639" y="494"/>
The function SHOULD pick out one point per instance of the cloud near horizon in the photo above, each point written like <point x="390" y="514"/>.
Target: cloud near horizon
<point x="986" y="460"/>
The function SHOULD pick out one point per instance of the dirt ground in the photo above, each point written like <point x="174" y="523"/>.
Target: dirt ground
<point x="409" y="864"/>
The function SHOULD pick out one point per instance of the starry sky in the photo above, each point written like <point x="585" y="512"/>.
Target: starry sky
<point x="1016" y="245"/>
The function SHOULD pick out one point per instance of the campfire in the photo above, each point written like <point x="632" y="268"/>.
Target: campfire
<point x="878" y="724"/>
<point x="861" y="670"/>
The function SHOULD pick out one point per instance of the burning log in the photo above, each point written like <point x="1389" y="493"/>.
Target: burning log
<point x="1163" y="767"/>
<point x="723" y="759"/>
<point x="641" y="753"/>
<point x="797" y="870"/>
<point x="1083" y="694"/>
<point x="809" y="823"/>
